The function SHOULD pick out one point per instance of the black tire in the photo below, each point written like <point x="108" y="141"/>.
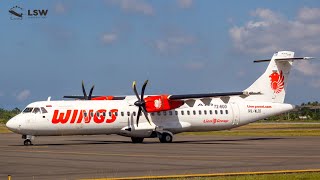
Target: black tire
<point x="136" y="139"/>
<point x="165" y="138"/>
<point x="27" y="142"/>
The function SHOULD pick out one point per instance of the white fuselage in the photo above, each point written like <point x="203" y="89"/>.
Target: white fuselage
<point x="116" y="116"/>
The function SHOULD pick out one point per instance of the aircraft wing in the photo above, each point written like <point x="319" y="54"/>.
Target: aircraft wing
<point x="207" y="95"/>
<point x="97" y="97"/>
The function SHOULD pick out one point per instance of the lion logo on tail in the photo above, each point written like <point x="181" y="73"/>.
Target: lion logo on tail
<point x="277" y="82"/>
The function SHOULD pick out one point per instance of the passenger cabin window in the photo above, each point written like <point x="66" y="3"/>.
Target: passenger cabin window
<point x="199" y="112"/>
<point x="176" y="113"/>
<point x="128" y="113"/>
<point x="122" y="113"/>
<point x="182" y="112"/>
<point x="194" y="112"/>
<point x="44" y="110"/>
<point x="221" y="111"/>
<point x="110" y="114"/>
<point x="216" y="111"/>
<point x="164" y="113"/>
<point x="134" y="113"/>
<point x="152" y="114"/>
<point x="104" y="114"/>
<point x="210" y="111"/>
<point x="28" y="110"/>
<point x="170" y="113"/>
<point x="205" y="112"/>
<point x="36" y="110"/>
<point x="188" y="112"/>
<point x="158" y="113"/>
<point x="227" y="112"/>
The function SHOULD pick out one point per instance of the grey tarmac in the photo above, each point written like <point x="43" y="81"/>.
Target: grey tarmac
<point x="76" y="157"/>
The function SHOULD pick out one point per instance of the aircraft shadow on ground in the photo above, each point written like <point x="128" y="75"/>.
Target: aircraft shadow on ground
<point x="207" y="141"/>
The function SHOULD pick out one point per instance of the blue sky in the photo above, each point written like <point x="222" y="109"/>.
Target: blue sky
<point x="181" y="46"/>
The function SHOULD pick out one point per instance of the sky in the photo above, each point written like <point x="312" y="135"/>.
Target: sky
<point x="180" y="46"/>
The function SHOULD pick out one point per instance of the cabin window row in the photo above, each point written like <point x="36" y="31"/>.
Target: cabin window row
<point x="163" y="113"/>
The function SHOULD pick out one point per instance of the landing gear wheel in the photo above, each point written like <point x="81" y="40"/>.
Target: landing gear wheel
<point x="165" y="138"/>
<point x="136" y="139"/>
<point x="27" y="142"/>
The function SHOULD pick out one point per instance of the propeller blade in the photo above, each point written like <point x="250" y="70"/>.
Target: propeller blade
<point x="143" y="89"/>
<point x="90" y="93"/>
<point x="84" y="91"/>
<point x="135" y="90"/>
<point x="138" y="116"/>
<point x="146" y="115"/>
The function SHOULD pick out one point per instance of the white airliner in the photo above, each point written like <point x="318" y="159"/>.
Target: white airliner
<point x="160" y="116"/>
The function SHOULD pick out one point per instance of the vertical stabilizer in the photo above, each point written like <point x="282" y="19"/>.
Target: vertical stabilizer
<point x="273" y="82"/>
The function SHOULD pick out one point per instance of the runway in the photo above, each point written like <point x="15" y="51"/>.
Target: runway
<point x="77" y="157"/>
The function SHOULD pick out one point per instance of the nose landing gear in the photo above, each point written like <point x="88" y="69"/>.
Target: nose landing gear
<point x="27" y="141"/>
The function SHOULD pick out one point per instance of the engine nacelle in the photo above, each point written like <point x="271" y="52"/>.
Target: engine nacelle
<point x="103" y="98"/>
<point x="161" y="103"/>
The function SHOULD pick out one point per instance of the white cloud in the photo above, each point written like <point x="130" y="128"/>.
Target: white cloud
<point x="108" y="38"/>
<point x="173" y="43"/>
<point x="309" y="14"/>
<point x="308" y="69"/>
<point x="137" y="6"/>
<point x="23" y="95"/>
<point x="270" y="32"/>
<point x="184" y="3"/>
<point x="60" y="8"/>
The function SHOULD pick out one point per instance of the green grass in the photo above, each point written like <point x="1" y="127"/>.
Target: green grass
<point x="265" y="129"/>
<point x="4" y="129"/>
<point x="291" y="176"/>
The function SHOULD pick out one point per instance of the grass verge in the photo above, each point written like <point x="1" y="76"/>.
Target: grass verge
<point x="4" y="129"/>
<point x="266" y="129"/>
<point x="294" y="176"/>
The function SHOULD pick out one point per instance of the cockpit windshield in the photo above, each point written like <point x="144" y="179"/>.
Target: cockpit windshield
<point x="28" y="110"/>
<point x="36" y="110"/>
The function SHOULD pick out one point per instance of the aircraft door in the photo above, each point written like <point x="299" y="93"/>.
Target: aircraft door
<point x="236" y="113"/>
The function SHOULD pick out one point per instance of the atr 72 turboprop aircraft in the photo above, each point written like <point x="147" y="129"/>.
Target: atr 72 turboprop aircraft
<point x="161" y="116"/>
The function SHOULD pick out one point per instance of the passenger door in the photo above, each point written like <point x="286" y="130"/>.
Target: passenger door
<point x="236" y="113"/>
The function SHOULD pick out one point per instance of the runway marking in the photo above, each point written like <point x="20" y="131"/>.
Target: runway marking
<point x="211" y="174"/>
<point x="157" y="156"/>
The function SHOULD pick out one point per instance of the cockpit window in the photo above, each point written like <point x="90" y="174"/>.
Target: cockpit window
<point x="36" y="110"/>
<point x="28" y="110"/>
<point x="44" y="110"/>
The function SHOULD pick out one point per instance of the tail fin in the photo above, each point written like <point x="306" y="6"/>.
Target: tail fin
<point x="271" y="85"/>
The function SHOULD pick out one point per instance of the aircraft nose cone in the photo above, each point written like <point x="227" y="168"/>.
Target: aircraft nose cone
<point x="12" y="124"/>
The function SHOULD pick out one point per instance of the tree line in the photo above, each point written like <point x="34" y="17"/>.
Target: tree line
<point x="5" y="115"/>
<point x="306" y="111"/>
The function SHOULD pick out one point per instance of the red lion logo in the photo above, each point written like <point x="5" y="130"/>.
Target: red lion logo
<point x="277" y="82"/>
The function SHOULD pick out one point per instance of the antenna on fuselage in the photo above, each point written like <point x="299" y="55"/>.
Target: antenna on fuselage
<point x="49" y="98"/>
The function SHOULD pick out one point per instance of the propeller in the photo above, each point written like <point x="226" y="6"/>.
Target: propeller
<point x="140" y="102"/>
<point x="85" y="94"/>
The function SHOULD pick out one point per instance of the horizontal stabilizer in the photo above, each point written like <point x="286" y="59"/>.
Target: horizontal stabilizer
<point x="284" y="59"/>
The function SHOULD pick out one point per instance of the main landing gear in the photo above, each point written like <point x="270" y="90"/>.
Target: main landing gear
<point x="165" y="137"/>
<point x="27" y="141"/>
